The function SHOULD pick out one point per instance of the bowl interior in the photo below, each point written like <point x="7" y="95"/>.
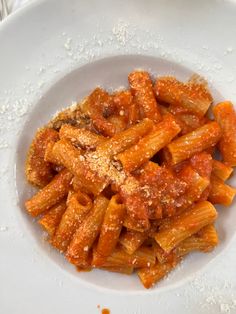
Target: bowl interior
<point x="110" y="73"/>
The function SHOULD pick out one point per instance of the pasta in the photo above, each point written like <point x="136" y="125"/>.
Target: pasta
<point x="51" y="219"/>
<point x="192" y="96"/>
<point x="128" y="180"/>
<point x="226" y="117"/>
<point x="110" y="230"/>
<point x="38" y="171"/>
<point x="142" y="257"/>
<point x="185" y="225"/>
<point x="81" y="137"/>
<point x="221" y="193"/>
<point x="196" y="186"/>
<point x="150" y="275"/>
<point x="131" y="240"/>
<point x="84" y="237"/>
<point x="50" y="195"/>
<point x="148" y="146"/>
<point x="221" y="170"/>
<point x="125" y="139"/>
<point x="141" y="87"/>
<point x="64" y="153"/>
<point x="194" y="142"/>
<point x="78" y="205"/>
<point x="95" y="105"/>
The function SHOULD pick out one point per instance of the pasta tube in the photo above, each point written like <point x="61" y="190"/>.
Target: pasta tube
<point x="194" y="142"/>
<point x="225" y="115"/>
<point x="185" y="225"/>
<point x="142" y="89"/>
<point x="50" y="195"/>
<point x="78" y="205"/>
<point x="84" y="237"/>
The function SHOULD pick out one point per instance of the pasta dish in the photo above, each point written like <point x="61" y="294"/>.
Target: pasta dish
<point x="128" y="180"/>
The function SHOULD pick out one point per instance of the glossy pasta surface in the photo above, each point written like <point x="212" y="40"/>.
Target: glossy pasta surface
<point x="128" y="180"/>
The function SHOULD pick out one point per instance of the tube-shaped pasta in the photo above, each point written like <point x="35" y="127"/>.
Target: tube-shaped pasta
<point x="78" y="205"/>
<point x="50" y="195"/>
<point x="126" y="270"/>
<point x="119" y="123"/>
<point x="84" y="237"/>
<point x="49" y="155"/>
<point x="220" y="170"/>
<point x="209" y="235"/>
<point x="221" y="193"/>
<point x="148" y="146"/>
<point x="110" y="230"/>
<point x="205" y="240"/>
<point x="131" y="240"/>
<point x="196" y="185"/>
<point x="162" y="256"/>
<point x="122" y="101"/>
<point x="95" y="105"/>
<point x="186" y="224"/>
<point x="135" y="224"/>
<point x="142" y="257"/>
<point x="187" y="121"/>
<point x="133" y="114"/>
<point x="81" y="137"/>
<point x="38" y="171"/>
<point x="51" y="219"/>
<point x="142" y="89"/>
<point x="76" y="184"/>
<point x="194" y="142"/>
<point x="202" y="163"/>
<point x="71" y="158"/>
<point x="192" y="96"/>
<point x="189" y="245"/>
<point x="225" y="115"/>
<point x="125" y="139"/>
<point x="151" y="275"/>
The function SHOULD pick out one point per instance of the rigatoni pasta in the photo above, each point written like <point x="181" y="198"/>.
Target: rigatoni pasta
<point x="86" y="234"/>
<point x="141" y="87"/>
<point x="148" y="146"/>
<point x="50" y="195"/>
<point x="78" y="205"/>
<point x="128" y="179"/>
<point x="38" y="171"/>
<point x="220" y="170"/>
<point x="110" y="230"/>
<point x="65" y="154"/>
<point x="185" y="225"/>
<point x="221" y="193"/>
<point x="225" y="115"/>
<point x="194" y="142"/>
<point x="192" y="96"/>
<point x="150" y="275"/>
<point x="142" y="257"/>
<point x="51" y="219"/>
<point x="80" y="137"/>
<point x="131" y="240"/>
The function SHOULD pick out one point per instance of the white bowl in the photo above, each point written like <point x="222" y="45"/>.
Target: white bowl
<point x="109" y="73"/>
<point x="47" y="50"/>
